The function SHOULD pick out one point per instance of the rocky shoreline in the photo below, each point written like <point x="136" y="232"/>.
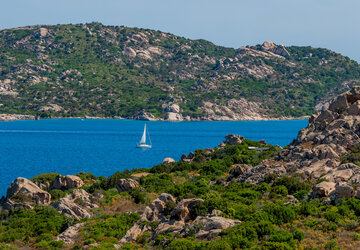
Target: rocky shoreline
<point x="17" y="117"/>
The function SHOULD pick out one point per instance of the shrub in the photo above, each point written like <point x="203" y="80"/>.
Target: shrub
<point x="47" y="177"/>
<point x="278" y="190"/>
<point x="86" y="176"/>
<point x="280" y="214"/>
<point x="56" y="194"/>
<point x="282" y="236"/>
<point x="292" y="184"/>
<point x="263" y="187"/>
<point x="264" y="228"/>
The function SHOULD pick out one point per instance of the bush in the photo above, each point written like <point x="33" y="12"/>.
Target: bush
<point x="47" y="177"/>
<point x="42" y="223"/>
<point x="278" y="191"/>
<point x="280" y="214"/>
<point x="139" y="195"/>
<point x="292" y="184"/>
<point x="86" y="176"/>
<point x="56" y="194"/>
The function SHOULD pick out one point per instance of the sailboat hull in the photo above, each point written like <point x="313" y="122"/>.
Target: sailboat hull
<point x="143" y="145"/>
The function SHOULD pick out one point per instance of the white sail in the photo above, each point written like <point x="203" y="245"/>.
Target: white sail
<point x="143" y="138"/>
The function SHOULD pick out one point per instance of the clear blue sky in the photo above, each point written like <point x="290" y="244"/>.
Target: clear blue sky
<point x="332" y="24"/>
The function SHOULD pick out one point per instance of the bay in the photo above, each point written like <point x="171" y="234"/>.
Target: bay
<point x="104" y="146"/>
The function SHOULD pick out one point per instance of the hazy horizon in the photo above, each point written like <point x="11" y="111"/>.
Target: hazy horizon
<point x="326" y="24"/>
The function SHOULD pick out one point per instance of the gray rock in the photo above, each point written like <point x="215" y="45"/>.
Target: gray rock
<point x="354" y="109"/>
<point x="124" y="185"/>
<point x="70" y="234"/>
<point x="168" y="160"/>
<point x="343" y="191"/>
<point x="324" y="119"/>
<point x="183" y="209"/>
<point x="233" y="139"/>
<point x="323" y="189"/>
<point x="71" y="209"/>
<point x="339" y="104"/>
<point x="175" y="108"/>
<point x="212" y="226"/>
<point x="26" y="188"/>
<point x="66" y="182"/>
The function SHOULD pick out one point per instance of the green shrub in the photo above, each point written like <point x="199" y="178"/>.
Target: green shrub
<point x="280" y="214"/>
<point x="47" y="177"/>
<point x="86" y="176"/>
<point x="139" y="195"/>
<point x="56" y="194"/>
<point x="278" y="191"/>
<point x="292" y="184"/>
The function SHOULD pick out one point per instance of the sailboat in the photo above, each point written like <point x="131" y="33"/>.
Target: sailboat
<point x="142" y="143"/>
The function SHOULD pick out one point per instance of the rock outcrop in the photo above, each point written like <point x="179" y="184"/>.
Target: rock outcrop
<point x="66" y="182"/>
<point x="233" y="139"/>
<point x="70" y="234"/>
<point x="188" y="158"/>
<point x="316" y="153"/>
<point x="23" y="192"/>
<point x="123" y="185"/>
<point x="177" y="219"/>
<point x="78" y="204"/>
<point x="168" y="160"/>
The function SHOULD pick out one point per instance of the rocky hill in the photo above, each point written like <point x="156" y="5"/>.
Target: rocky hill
<point x="106" y="71"/>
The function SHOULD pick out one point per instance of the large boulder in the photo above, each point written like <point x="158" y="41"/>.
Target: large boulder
<point x="24" y="189"/>
<point x="183" y="210"/>
<point x="323" y="189"/>
<point x="212" y="226"/>
<point x="343" y="191"/>
<point x="174" y="108"/>
<point x="354" y="109"/>
<point x="168" y="160"/>
<point x="188" y="158"/>
<point x="233" y="139"/>
<point x="71" y="209"/>
<point x="155" y="211"/>
<point x="339" y="104"/>
<point x="66" y="182"/>
<point x="124" y="185"/>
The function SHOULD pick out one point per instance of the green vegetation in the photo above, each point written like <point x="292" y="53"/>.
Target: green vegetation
<point x="83" y="70"/>
<point x="266" y="221"/>
<point x="37" y="226"/>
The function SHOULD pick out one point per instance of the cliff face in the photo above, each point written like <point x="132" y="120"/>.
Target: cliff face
<point x="107" y="71"/>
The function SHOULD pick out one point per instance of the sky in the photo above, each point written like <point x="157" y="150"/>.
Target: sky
<point x="331" y="24"/>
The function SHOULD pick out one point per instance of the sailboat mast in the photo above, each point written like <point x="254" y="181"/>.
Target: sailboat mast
<point x="149" y="137"/>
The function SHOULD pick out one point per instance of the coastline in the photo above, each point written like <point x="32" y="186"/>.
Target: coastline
<point x="20" y="117"/>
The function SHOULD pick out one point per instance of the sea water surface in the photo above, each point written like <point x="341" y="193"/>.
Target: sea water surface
<point x="102" y="147"/>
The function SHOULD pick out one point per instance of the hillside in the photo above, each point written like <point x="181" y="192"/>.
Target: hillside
<point x="240" y="195"/>
<point x="107" y="71"/>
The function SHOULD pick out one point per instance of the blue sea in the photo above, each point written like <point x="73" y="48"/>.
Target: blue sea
<point x="102" y="147"/>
